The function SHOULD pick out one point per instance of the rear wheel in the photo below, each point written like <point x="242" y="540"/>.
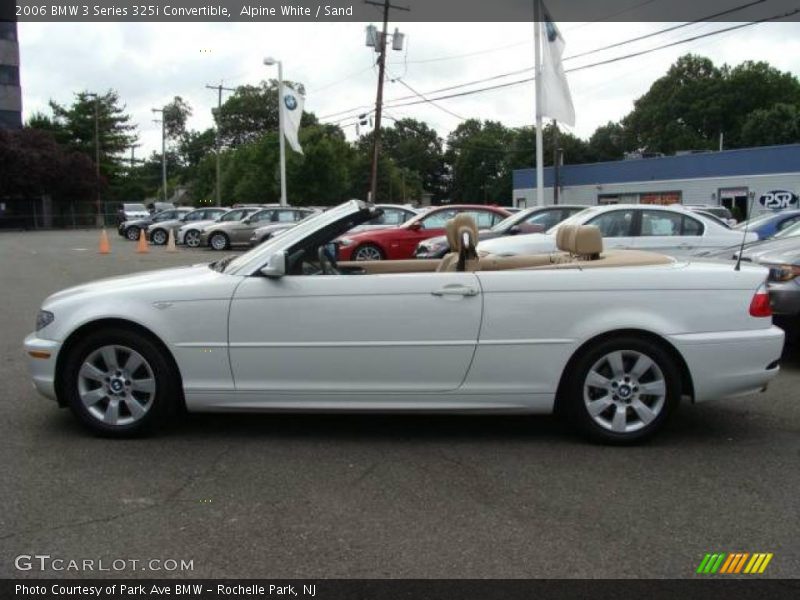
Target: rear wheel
<point x="192" y="238"/>
<point x="368" y="252"/>
<point x="622" y="390"/>
<point x="158" y="237"/>
<point x="219" y="241"/>
<point x="119" y="383"/>
<point x="132" y="233"/>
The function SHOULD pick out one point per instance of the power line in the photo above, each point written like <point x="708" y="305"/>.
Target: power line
<point x="442" y="108"/>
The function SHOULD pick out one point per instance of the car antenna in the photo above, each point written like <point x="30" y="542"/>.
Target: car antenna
<point x="738" y="266"/>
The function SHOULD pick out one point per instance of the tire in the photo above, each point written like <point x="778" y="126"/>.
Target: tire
<point x="602" y="391"/>
<point x="219" y="241"/>
<point x="158" y="237"/>
<point x="142" y="385"/>
<point x="192" y="238"/>
<point x="368" y="252"/>
<point x="132" y="234"/>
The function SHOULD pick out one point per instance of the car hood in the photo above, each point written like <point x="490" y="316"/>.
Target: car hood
<point x="162" y="284"/>
<point x="529" y="243"/>
<point x="165" y="224"/>
<point x="375" y="234"/>
<point x="143" y="222"/>
<point x="198" y="224"/>
<point x="775" y="251"/>
<point x="273" y="228"/>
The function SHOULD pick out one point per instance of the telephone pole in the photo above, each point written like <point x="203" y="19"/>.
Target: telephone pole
<point x="163" y="150"/>
<point x="219" y="89"/>
<point x="376" y="140"/>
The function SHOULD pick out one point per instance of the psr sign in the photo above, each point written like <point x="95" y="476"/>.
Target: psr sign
<point x="778" y="200"/>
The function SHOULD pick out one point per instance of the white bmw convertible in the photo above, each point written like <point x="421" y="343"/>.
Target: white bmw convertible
<point x="611" y="339"/>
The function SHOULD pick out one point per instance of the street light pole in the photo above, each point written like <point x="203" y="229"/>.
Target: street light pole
<point x="271" y="61"/>
<point x="163" y="151"/>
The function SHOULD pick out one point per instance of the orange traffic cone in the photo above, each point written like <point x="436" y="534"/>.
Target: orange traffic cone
<point x="142" y="247"/>
<point x="171" y="242"/>
<point x="105" y="245"/>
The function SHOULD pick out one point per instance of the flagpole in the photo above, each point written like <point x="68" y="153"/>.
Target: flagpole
<point x="537" y="17"/>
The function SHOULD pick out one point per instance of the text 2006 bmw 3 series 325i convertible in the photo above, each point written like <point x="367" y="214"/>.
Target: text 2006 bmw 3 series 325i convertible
<point x="612" y="340"/>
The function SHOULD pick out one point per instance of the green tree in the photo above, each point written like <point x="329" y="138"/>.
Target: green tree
<point x="478" y="157"/>
<point x="609" y="142"/>
<point x="175" y="116"/>
<point x="779" y="124"/>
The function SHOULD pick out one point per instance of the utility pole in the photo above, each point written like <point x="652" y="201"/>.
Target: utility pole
<point x="217" y="148"/>
<point x="556" y="150"/>
<point x="163" y="149"/>
<point x="376" y="140"/>
<point x="133" y="156"/>
<point x="99" y="216"/>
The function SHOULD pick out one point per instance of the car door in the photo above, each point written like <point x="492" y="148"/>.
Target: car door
<point x="616" y="227"/>
<point x="669" y="232"/>
<point x="242" y="230"/>
<point x="334" y="334"/>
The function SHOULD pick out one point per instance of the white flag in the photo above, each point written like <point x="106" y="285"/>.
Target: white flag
<point x="292" y="107"/>
<point x="556" y="99"/>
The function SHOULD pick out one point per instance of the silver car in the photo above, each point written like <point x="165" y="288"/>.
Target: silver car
<point x="158" y="233"/>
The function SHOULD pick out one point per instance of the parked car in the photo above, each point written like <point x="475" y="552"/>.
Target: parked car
<point x="393" y="215"/>
<point x="530" y="220"/>
<point x="613" y="345"/>
<point x="131" y="211"/>
<point x="131" y="229"/>
<point x="156" y="207"/>
<point x="669" y="229"/>
<point x="223" y="235"/>
<point x="262" y="234"/>
<point x="189" y="233"/>
<point x="158" y="232"/>
<point x="401" y="242"/>
<point x="721" y="212"/>
<point x="767" y="225"/>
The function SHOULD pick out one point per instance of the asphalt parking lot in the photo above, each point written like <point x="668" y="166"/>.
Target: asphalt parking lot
<point x="379" y="496"/>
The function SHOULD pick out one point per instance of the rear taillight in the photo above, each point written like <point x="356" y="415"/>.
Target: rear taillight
<point x="759" y="305"/>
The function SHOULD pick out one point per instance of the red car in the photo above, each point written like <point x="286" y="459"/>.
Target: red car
<point x="400" y="242"/>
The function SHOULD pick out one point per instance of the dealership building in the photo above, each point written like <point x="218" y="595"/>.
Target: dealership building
<point x="10" y="91"/>
<point x="769" y="176"/>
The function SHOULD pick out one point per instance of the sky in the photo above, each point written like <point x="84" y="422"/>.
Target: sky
<point x="150" y="63"/>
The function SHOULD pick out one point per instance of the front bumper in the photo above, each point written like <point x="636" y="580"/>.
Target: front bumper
<point x="785" y="297"/>
<point x="42" y="370"/>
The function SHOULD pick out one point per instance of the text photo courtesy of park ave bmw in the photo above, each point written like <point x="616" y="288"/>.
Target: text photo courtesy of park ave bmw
<point x="400" y="298"/>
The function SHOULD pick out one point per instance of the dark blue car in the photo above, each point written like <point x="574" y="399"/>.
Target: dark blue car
<point x="768" y="224"/>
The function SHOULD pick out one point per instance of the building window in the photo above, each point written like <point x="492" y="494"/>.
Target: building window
<point x="9" y="75"/>
<point x="8" y="31"/>
<point x="660" y="198"/>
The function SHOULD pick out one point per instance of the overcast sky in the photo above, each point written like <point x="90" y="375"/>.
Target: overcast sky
<point x="149" y="64"/>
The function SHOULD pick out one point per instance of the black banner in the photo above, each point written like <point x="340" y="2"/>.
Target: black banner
<point x="401" y="10"/>
<point x="744" y="588"/>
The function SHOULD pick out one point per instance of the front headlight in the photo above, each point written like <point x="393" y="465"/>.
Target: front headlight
<point x="345" y="242"/>
<point x="43" y="319"/>
<point x="783" y="272"/>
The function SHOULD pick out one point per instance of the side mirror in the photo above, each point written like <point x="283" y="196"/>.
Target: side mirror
<point x="275" y="267"/>
<point x="246" y="221"/>
<point x="415" y="226"/>
<point x="514" y="230"/>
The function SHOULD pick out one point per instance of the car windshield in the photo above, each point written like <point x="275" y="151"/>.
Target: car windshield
<point x="511" y="220"/>
<point x="791" y="231"/>
<point x="134" y="207"/>
<point x="577" y="218"/>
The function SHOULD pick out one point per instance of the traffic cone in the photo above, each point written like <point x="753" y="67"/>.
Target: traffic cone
<point x="142" y="247"/>
<point x="105" y="245"/>
<point x="171" y="242"/>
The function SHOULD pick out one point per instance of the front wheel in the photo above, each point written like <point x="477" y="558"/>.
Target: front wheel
<point x="218" y="241"/>
<point x="159" y="237"/>
<point x="192" y="238"/>
<point x="368" y="252"/>
<point x="119" y="383"/>
<point x="622" y="390"/>
<point x="132" y="233"/>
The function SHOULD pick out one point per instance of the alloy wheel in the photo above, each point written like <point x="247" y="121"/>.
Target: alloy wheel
<point x="192" y="238"/>
<point x="219" y="242"/>
<point x="159" y="237"/>
<point x="116" y="385"/>
<point x="132" y="233"/>
<point x="368" y="253"/>
<point x="624" y="391"/>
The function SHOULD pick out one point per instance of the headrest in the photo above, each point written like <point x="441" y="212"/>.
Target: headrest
<point x="463" y="223"/>
<point x="450" y="232"/>
<point x="564" y="236"/>
<point x="587" y="241"/>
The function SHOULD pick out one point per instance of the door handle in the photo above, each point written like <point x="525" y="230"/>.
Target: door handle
<point x="455" y="290"/>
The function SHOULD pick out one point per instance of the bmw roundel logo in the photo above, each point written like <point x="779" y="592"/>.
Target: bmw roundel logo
<point x="290" y="101"/>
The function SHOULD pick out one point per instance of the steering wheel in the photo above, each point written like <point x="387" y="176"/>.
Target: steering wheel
<point x="327" y="262"/>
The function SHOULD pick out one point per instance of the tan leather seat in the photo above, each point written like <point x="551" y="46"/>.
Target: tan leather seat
<point x="462" y="236"/>
<point x="585" y="242"/>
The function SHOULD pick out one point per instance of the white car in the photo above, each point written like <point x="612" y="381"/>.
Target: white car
<point x="189" y="233"/>
<point x="614" y="340"/>
<point x="669" y="229"/>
